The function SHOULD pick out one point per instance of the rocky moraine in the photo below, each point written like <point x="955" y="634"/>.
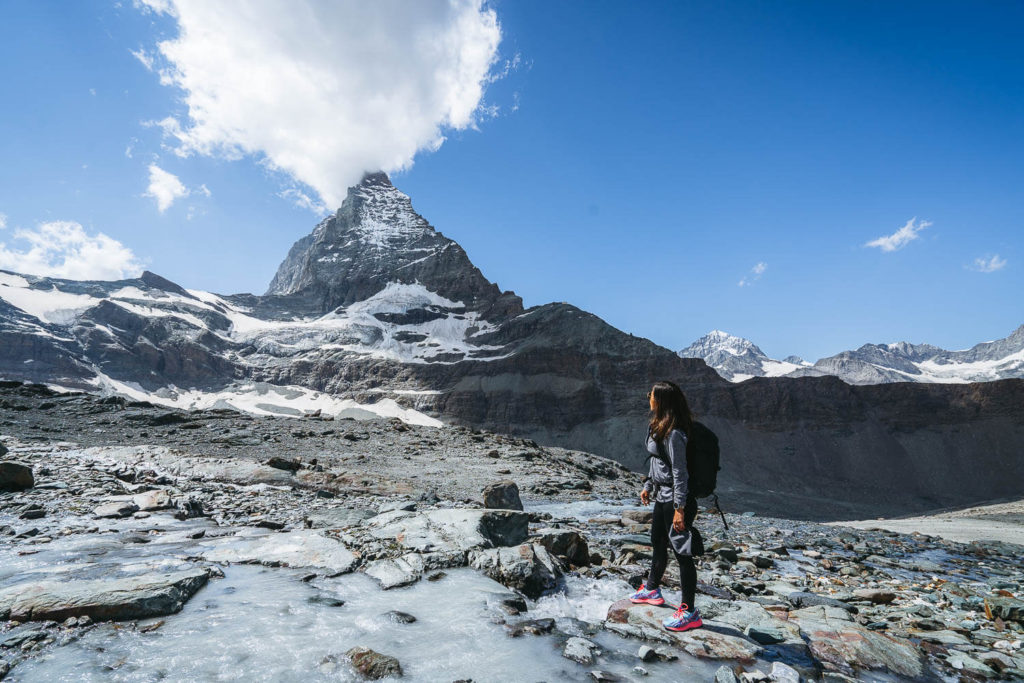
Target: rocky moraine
<point x="138" y="543"/>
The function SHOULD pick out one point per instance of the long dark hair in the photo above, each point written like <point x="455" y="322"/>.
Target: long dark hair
<point x="671" y="411"/>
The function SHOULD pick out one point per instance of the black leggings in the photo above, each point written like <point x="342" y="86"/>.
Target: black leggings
<point x="660" y="546"/>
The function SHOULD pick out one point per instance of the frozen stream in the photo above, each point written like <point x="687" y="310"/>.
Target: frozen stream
<point x="260" y="623"/>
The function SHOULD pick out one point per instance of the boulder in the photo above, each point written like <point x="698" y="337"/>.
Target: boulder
<point x="15" y="476"/>
<point x="298" y="548"/>
<point x="844" y="646"/>
<point x="373" y="665"/>
<point x="564" y="543"/>
<point x="502" y="495"/>
<point x="133" y="597"/>
<point x="452" y="530"/>
<point x="528" y="568"/>
<point x="157" y="499"/>
<point x="784" y="673"/>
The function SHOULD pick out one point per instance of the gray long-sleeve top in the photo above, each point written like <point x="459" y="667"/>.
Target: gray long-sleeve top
<point x="670" y="484"/>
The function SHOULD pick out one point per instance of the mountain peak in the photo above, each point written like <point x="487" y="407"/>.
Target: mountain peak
<point x="375" y="239"/>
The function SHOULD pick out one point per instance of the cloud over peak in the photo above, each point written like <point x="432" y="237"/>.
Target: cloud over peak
<point x="324" y="91"/>
<point x="901" y="238"/>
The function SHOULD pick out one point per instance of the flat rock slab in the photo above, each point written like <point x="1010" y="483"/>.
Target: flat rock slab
<point x="337" y="518"/>
<point x="842" y="645"/>
<point x="299" y="548"/>
<point x="449" y="531"/>
<point x="134" y="597"/>
<point x="713" y="641"/>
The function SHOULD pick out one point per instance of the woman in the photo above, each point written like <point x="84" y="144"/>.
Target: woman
<point x="674" y="507"/>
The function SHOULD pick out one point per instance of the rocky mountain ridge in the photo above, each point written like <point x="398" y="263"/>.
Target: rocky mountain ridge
<point x="737" y="359"/>
<point x="377" y="314"/>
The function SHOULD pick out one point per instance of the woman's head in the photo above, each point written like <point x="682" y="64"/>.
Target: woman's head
<point x="669" y="410"/>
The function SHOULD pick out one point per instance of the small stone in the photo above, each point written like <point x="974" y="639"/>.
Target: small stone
<point x="640" y="671"/>
<point x="647" y="653"/>
<point x="580" y="650"/>
<point x="286" y="464"/>
<point x="604" y="676"/>
<point x="725" y="674"/>
<point x="373" y="665"/>
<point x="765" y="635"/>
<point x="878" y="597"/>
<point x="400" y="617"/>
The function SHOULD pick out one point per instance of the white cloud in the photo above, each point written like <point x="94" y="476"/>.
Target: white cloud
<point x="164" y="187"/>
<point x="988" y="264"/>
<point x="3" y="221"/>
<point x="755" y="274"/>
<point x="63" y="249"/>
<point x="324" y="91"/>
<point x="901" y="238"/>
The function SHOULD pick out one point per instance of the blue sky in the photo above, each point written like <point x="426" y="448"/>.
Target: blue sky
<point x="638" y="160"/>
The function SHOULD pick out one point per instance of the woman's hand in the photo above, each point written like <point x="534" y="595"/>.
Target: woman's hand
<point x="645" y="497"/>
<point x="678" y="523"/>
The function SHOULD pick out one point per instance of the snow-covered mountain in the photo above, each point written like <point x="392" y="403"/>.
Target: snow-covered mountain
<point x="737" y="359"/>
<point x="377" y="313"/>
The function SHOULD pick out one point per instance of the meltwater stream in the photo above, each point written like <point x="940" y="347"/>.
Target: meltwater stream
<point x="262" y="623"/>
<point x="268" y="624"/>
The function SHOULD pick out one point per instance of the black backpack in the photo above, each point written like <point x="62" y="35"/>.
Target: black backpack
<point x="703" y="461"/>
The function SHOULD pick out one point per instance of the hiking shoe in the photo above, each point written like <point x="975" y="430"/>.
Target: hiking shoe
<point x="647" y="597"/>
<point x="683" y="619"/>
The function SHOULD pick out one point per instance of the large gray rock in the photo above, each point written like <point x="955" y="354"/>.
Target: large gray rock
<point x="842" y="645"/>
<point x="565" y="543"/>
<point x="134" y="597"/>
<point x="450" y="531"/>
<point x="299" y="548"/>
<point x="502" y="495"/>
<point x="15" y="476"/>
<point x="528" y="568"/>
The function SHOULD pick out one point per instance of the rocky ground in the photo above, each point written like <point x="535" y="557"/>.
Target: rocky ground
<point x="118" y="518"/>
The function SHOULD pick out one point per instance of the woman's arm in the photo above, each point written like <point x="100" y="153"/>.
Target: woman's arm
<point x="680" y="477"/>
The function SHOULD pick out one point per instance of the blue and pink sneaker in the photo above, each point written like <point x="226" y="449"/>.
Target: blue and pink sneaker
<point x="644" y="596"/>
<point x="683" y="619"/>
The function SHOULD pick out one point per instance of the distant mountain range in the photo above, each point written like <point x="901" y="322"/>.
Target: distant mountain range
<point x="377" y="313"/>
<point x="737" y="359"/>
